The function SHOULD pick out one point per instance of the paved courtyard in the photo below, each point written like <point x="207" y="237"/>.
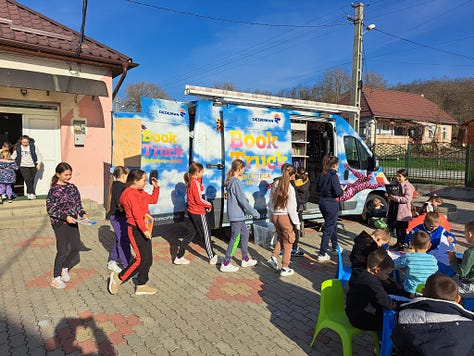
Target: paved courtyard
<point x="198" y="310"/>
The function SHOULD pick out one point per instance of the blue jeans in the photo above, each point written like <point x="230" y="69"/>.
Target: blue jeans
<point x="329" y="208"/>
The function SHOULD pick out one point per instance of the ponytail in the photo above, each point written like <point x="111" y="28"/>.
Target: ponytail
<point x="329" y="162"/>
<point x="280" y="193"/>
<point x="194" y="167"/>
<point x="235" y="166"/>
<point x="118" y="171"/>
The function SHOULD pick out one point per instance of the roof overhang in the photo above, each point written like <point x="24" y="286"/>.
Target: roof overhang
<point x="56" y="83"/>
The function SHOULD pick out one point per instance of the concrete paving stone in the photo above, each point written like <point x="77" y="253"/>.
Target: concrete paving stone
<point x="38" y="351"/>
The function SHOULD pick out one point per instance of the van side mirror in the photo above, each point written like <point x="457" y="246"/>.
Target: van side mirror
<point x="373" y="163"/>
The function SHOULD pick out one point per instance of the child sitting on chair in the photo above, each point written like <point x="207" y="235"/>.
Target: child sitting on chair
<point x="441" y="241"/>
<point x="365" y="244"/>
<point x="465" y="267"/>
<point x="419" y="265"/>
<point x="368" y="295"/>
<point x="433" y="202"/>
<point x="434" y="324"/>
<point x="376" y="214"/>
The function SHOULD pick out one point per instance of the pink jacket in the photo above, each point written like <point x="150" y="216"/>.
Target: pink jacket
<point x="404" y="201"/>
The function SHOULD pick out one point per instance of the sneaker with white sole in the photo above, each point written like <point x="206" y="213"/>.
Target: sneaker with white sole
<point x="229" y="268"/>
<point x="144" y="290"/>
<point x="248" y="263"/>
<point x="65" y="277"/>
<point x="58" y="283"/>
<point x="285" y="271"/>
<point x="273" y="262"/>
<point x="324" y="258"/>
<point x="216" y="260"/>
<point x="113" y="266"/>
<point x="181" y="261"/>
<point x="114" y="283"/>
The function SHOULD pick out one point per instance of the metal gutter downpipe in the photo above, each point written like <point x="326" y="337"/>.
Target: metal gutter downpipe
<point x="125" y="67"/>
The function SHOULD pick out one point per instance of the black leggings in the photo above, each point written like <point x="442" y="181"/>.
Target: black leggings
<point x="68" y="244"/>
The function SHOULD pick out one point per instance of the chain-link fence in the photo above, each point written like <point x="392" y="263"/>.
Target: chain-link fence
<point x="430" y="163"/>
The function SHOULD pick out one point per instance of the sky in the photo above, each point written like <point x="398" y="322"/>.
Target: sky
<point x="274" y="45"/>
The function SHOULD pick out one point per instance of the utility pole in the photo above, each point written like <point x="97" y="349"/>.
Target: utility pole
<point x="356" y="87"/>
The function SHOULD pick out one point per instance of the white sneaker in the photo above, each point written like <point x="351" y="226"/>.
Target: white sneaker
<point x="285" y="271"/>
<point x="324" y="258"/>
<point x="58" y="283"/>
<point x="273" y="262"/>
<point x="215" y="260"/>
<point x="65" y="277"/>
<point x="113" y="266"/>
<point x="229" y="268"/>
<point x="33" y="197"/>
<point x="181" y="261"/>
<point x="248" y="263"/>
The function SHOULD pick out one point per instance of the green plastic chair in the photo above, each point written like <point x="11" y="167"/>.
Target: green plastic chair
<point x="420" y="287"/>
<point x="333" y="316"/>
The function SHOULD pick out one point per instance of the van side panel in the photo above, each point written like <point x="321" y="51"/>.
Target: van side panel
<point x="207" y="149"/>
<point x="262" y="139"/>
<point x="165" y="148"/>
<point x="352" y="153"/>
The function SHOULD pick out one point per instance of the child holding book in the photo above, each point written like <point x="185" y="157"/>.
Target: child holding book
<point x="237" y="207"/>
<point x="301" y="184"/>
<point x="135" y="201"/>
<point x="465" y="267"/>
<point x="64" y="207"/>
<point x="418" y="265"/>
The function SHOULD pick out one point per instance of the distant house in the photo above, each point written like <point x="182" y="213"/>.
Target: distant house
<point x="391" y="116"/>
<point x="56" y="86"/>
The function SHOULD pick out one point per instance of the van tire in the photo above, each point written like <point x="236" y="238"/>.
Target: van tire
<point x="369" y="200"/>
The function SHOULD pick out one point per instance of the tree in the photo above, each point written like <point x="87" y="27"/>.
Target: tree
<point x="334" y="85"/>
<point x="372" y="79"/>
<point x="225" y="86"/>
<point x="132" y="102"/>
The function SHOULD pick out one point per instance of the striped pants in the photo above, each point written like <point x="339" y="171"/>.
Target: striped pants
<point x="201" y="227"/>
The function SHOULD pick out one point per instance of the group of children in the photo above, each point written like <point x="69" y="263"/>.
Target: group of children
<point x="422" y="323"/>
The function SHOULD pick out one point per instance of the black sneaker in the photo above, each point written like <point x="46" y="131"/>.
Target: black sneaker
<point x="297" y="252"/>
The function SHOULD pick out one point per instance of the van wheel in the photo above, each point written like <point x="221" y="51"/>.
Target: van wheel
<point x="369" y="200"/>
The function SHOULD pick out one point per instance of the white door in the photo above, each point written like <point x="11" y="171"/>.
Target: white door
<point x="43" y="126"/>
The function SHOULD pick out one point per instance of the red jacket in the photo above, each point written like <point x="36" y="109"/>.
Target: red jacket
<point x="196" y="203"/>
<point x="135" y="203"/>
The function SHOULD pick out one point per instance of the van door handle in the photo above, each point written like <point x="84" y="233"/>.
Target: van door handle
<point x="215" y="166"/>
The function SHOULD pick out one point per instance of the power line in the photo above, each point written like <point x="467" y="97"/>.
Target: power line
<point x="242" y="22"/>
<point x="423" y="45"/>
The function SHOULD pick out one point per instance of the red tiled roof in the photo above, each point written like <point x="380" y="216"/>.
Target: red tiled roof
<point x="393" y="104"/>
<point x="25" y="30"/>
<point x="401" y="105"/>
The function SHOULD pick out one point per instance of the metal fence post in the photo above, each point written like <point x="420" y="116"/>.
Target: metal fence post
<point x="408" y="159"/>
<point x="468" y="175"/>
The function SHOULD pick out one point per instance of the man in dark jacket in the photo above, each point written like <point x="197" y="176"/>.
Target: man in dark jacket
<point x="435" y="324"/>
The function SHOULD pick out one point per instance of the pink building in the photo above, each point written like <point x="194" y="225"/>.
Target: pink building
<point x="60" y="93"/>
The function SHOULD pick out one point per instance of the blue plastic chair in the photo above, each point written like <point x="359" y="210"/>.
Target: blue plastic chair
<point x="388" y="325"/>
<point x="343" y="273"/>
<point x="468" y="303"/>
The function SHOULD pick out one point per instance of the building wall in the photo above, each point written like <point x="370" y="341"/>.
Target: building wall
<point x="91" y="161"/>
